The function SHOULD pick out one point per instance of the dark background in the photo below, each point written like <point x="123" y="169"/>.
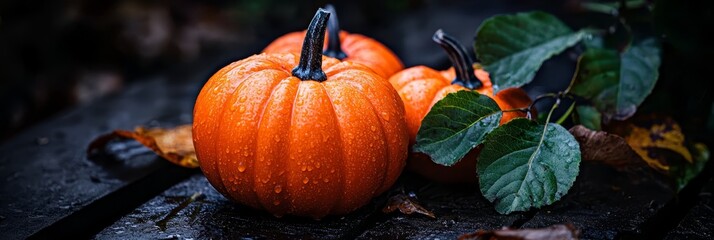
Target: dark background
<point x="59" y="54"/>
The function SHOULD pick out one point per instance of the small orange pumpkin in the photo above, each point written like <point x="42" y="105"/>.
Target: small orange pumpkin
<point x="421" y="87"/>
<point x="306" y="142"/>
<point x="344" y="46"/>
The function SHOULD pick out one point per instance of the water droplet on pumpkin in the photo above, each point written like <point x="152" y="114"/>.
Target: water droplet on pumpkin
<point x="264" y="180"/>
<point x="242" y="98"/>
<point x="278" y="189"/>
<point x="246" y="153"/>
<point x="309" y="168"/>
<point x="326" y="180"/>
<point x="385" y="116"/>
<point x="306" y="180"/>
<point x="241" y="168"/>
<point x="276" y="202"/>
<point x="373" y="128"/>
<point x="241" y="108"/>
<point x="317" y="165"/>
<point x="332" y="171"/>
<point x="303" y="168"/>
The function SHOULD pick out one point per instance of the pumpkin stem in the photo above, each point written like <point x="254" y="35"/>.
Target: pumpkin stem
<point x="462" y="62"/>
<point x="334" y="47"/>
<point x="310" y="66"/>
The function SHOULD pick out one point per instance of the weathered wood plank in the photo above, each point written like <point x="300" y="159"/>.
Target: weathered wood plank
<point x="699" y="222"/>
<point x="606" y="204"/>
<point x="194" y="209"/>
<point x="459" y="209"/>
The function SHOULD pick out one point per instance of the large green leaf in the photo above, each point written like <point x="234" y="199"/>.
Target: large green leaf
<point x="455" y="125"/>
<point x="513" y="47"/>
<point x="618" y="83"/>
<point x="525" y="164"/>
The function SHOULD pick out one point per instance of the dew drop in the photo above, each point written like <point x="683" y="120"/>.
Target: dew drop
<point x="332" y="171"/>
<point x="385" y="116"/>
<point x="241" y="108"/>
<point x="317" y="165"/>
<point x="241" y="168"/>
<point x="276" y="202"/>
<point x="278" y="189"/>
<point x="242" y="98"/>
<point x="373" y="128"/>
<point x="276" y="138"/>
<point x="306" y="180"/>
<point x="326" y="180"/>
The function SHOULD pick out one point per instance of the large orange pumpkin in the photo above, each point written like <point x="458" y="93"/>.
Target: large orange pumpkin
<point x="306" y="142"/>
<point x="344" y="46"/>
<point x="421" y="87"/>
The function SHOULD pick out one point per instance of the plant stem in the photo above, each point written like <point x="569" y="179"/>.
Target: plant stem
<point x="334" y="46"/>
<point x="566" y="114"/>
<point x="310" y="66"/>
<point x="552" y="109"/>
<point x="462" y="62"/>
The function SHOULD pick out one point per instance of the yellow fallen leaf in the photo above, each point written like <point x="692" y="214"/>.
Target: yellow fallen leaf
<point x="657" y="134"/>
<point x="172" y="144"/>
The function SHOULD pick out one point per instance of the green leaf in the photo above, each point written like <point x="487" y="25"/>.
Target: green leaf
<point x="513" y="47"/>
<point x="618" y="83"/>
<point x="455" y="125"/>
<point x="682" y="171"/>
<point x="525" y="164"/>
<point x="589" y="117"/>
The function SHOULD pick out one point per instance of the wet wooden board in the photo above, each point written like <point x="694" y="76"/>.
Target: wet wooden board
<point x="194" y="209"/>
<point x="459" y="209"/>
<point x="699" y="222"/>
<point x="606" y="204"/>
<point x="46" y="174"/>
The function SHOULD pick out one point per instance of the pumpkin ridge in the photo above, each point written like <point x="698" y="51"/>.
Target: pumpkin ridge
<point x="213" y="83"/>
<point x="352" y="82"/>
<point x="220" y="131"/>
<point x="385" y="173"/>
<point x="217" y="126"/>
<point x="335" y="204"/>
<point x="260" y="120"/>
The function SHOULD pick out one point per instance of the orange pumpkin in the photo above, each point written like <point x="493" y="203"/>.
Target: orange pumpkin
<point x="421" y="87"/>
<point x="344" y="46"/>
<point x="306" y="142"/>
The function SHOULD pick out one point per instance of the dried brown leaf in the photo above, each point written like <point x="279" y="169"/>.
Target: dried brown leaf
<point x="172" y="144"/>
<point x="406" y="205"/>
<point x="555" y="232"/>
<point x="606" y="148"/>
